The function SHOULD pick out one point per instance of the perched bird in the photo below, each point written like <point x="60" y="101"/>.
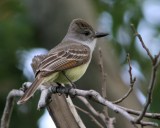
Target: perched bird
<point x="68" y="61"/>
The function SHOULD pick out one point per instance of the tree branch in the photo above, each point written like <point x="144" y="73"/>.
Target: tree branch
<point x="142" y="42"/>
<point x="91" y="94"/>
<point x="148" y="115"/>
<point x="155" y="65"/>
<point x="107" y="120"/>
<point x="92" y="117"/>
<point x="149" y="94"/>
<point x="95" y="96"/>
<point x="132" y="81"/>
<point x="103" y="75"/>
<point x="5" y="120"/>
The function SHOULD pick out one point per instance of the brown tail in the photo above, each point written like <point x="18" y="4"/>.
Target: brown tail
<point x="30" y="91"/>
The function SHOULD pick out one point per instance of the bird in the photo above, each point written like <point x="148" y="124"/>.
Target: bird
<point x="68" y="61"/>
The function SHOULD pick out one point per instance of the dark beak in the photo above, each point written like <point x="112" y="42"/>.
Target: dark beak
<point x="100" y="34"/>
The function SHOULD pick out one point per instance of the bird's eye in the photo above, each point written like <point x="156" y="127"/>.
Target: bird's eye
<point x="86" y="33"/>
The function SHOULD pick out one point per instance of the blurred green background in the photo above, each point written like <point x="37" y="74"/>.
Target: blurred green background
<point x="28" y="24"/>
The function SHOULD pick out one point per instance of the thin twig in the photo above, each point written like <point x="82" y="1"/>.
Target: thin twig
<point x="103" y="75"/>
<point x="142" y="42"/>
<point x="92" y="117"/>
<point x="103" y="81"/>
<point x="137" y="113"/>
<point x="109" y="122"/>
<point x="5" y="120"/>
<point x="95" y="96"/>
<point x="91" y="94"/>
<point x="149" y="94"/>
<point x="132" y="81"/>
<point x="155" y="65"/>
<point x="157" y="61"/>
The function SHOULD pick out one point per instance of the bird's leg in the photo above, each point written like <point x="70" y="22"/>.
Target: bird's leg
<point x="67" y="88"/>
<point x="73" y="84"/>
<point x="58" y="87"/>
<point x="45" y="99"/>
<point x="25" y="86"/>
<point x="59" y="84"/>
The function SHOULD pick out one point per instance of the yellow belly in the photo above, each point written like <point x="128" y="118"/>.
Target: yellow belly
<point x="51" y="78"/>
<point x="73" y="74"/>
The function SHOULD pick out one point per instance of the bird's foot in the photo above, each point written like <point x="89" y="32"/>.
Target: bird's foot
<point x="45" y="99"/>
<point x="25" y="86"/>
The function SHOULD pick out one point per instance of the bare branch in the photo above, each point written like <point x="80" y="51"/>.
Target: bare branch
<point x="103" y="82"/>
<point x="132" y="81"/>
<point x="92" y="117"/>
<point x="5" y="120"/>
<point x="103" y="75"/>
<point x="109" y="122"/>
<point x="148" y="115"/>
<point x="155" y="65"/>
<point x="149" y="94"/>
<point x="142" y="42"/>
<point x="91" y="94"/>
<point x="95" y="96"/>
<point x="157" y="61"/>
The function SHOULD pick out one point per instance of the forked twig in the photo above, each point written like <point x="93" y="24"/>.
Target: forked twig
<point x="5" y="120"/>
<point x="92" y="117"/>
<point x="132" y="81"/>
<point x="137" y="113"/>
<point x="103" y="74"/>
<point x="103" y="80"/>
<point x="108" y="120"/>
<point x="155" y="64"/>
<point x="149" y="94"/>
<point x="142" y="42"/>
<point x="95" y="96"/>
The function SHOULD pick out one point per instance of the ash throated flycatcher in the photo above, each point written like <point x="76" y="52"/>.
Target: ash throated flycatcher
<point x="68" y="60"/>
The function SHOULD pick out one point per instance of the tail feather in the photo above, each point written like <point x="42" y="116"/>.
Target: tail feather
<point x="30" y="91"/>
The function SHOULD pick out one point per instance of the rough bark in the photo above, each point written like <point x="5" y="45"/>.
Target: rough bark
<point x="61" y="112"/>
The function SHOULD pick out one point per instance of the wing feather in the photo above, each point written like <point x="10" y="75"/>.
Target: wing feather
<point x="64" y="58"/>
